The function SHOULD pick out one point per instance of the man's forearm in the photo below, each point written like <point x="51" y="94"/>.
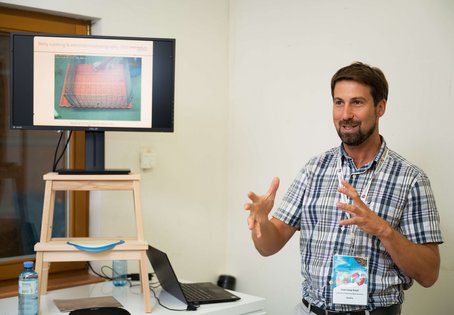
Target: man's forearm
<point x="418" y="261"/>
<point x="274" y="235"/>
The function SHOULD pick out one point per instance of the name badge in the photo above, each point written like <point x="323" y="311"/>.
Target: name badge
<point x="350" y="279"/>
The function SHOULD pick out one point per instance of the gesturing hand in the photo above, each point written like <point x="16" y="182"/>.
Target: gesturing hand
<point x="260" y="207"/>
<point x="360" y="214"/>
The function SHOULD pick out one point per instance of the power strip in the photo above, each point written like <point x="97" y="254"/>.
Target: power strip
<point x="136" y="276"/>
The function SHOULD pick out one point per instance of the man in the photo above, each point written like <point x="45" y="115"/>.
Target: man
<point x="367" y="217"/>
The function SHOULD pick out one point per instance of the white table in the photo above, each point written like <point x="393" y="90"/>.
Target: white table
<point x="132" y="300"/>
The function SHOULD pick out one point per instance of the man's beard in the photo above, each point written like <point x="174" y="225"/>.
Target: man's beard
<point x="354" y="139"/>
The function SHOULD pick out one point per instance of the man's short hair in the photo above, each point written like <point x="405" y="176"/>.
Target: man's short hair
<point x="371" y="76"/>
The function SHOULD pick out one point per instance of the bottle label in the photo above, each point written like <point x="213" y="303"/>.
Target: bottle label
<point x="28" y="287"/>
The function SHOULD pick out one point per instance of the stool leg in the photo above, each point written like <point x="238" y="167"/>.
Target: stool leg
<point x="144" y="281"/>
<point x="44" y="277"/>
<point x="42" y="268"/>
<point x="39" y="270"/>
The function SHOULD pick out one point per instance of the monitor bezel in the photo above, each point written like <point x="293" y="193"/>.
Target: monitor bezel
<point x="21" y="102"/>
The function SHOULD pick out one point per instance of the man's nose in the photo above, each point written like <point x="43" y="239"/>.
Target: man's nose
<point x="347" y="112"/>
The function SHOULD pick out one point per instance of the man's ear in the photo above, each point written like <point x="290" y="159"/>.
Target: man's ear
<point x="381" y="108"/>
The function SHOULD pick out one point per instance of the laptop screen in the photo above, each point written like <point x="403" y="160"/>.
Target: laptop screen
<point x="165" y="273"/>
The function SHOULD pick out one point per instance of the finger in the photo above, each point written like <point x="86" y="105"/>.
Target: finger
<point x="273" y="188"/>
<point x="346" y="207"/>
<point x="258" y="231"/>
<point x="350" y="221"/>
<point x="346" y="188"/>
<point x="253" y="197"/>
<point x="346" y="184"/>
<point x="349" y="190"/>
<point x="343" y="187"/>
<point x="251" y="222"/>
<point x="254" y="226"/>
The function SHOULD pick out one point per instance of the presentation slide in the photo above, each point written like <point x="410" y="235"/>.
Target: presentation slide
<point x="92" y="82"/>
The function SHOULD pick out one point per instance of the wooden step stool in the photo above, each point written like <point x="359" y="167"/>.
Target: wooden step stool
<point x="50" y="249"/>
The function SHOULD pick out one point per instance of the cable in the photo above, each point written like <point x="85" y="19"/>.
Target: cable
<point x="152" y="285"/>
<point x="189" y="308"/>
<point x="64" y="148"/>
<point x="104" y="276"/>
<point x="57" y="160"/>
<point x="54" y="165"/>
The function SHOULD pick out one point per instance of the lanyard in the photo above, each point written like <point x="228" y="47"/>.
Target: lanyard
<point x="364" y="192"/>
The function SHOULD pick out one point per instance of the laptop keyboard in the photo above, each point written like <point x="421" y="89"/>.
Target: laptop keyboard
<point x="193" y="293"/>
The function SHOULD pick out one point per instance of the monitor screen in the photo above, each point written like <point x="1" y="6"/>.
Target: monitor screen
<point x="92" y="83"/>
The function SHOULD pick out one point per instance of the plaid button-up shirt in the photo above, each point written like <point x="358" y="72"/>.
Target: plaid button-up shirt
<point x="399" y="192"/>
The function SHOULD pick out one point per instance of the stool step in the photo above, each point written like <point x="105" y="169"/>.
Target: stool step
<point x="62" y="244"/>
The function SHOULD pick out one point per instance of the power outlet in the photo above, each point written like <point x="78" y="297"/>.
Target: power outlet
<point x="147" y="160"/>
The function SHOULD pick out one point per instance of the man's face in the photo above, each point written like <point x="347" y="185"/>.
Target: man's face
<point x="354" y="114"/>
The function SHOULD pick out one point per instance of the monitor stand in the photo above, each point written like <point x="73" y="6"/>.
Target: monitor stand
<point x="94" y="158"/>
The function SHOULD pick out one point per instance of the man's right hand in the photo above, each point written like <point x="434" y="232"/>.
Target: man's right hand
<point x="260" y="207"/>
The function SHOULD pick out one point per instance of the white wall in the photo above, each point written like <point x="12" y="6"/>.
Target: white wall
<point x="252" y="102"/>
<point x="283" y="54"/>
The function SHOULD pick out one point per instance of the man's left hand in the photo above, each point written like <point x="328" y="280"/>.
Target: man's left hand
<point x="360" y="214"/>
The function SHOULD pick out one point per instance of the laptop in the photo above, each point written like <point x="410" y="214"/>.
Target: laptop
<point x="192" y="294"/>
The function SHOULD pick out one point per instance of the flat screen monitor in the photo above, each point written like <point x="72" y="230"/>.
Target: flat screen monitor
<point x="92" y="83"/>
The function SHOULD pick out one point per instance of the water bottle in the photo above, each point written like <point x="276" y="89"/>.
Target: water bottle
<point x="28" y="290"/>
<point x="119" y="272"/>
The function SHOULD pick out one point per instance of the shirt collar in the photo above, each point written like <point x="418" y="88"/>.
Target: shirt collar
<point x="373" y="163"/>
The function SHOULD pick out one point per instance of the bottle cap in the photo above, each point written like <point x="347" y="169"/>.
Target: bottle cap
<point x="28" y="264"/>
